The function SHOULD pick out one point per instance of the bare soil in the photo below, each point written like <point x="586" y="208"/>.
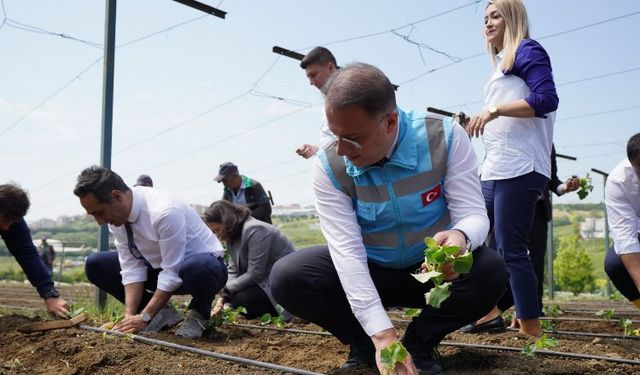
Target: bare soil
<point x="76" y="351"/>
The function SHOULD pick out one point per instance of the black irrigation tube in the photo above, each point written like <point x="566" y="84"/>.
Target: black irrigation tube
<point x="464" y="345"/>
<point x="587" y="334"/>
<point x="582" y="319"/>
<point x="541" y="351"/>
<point x="224" y="357"/>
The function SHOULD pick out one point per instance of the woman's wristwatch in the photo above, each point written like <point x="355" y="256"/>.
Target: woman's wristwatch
<point x="494" y="111"/>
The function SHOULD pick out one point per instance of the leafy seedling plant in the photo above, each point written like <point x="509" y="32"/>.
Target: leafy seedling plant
<point x="391" y="355"/>
<point x="411" y="313"/>
<point x="548" y="325"/>
<point x="553" y="311"/>
<point x="585" y="186"/>
<point x="627" y="326"/>
<point x="607" y="314"/>
<point x="435" y="259"/>
<point x="544" y="342"/>
<point x="75" y="310"/>
<point x="278" y="320"/>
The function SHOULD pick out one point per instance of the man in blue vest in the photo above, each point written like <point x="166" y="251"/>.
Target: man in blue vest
<point x="390" y="179"/>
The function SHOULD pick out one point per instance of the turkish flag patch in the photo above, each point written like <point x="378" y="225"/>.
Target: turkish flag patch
<point x="431" y="195"/>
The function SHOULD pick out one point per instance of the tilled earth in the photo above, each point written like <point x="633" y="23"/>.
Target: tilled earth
<point x="77" y="351"/>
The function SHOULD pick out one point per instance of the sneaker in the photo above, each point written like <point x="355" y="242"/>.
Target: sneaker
<point x="193" y="325"/>
<point x="425" y="358"/>
<point x="167" y="317"/>
<point x="361" y="354"/>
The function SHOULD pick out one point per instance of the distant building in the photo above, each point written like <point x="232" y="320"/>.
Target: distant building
<point x="294" y="210"/>
<point x="592" y="228"/>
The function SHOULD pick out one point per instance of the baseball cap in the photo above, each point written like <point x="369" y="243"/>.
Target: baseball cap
<point x="226" y="170"/>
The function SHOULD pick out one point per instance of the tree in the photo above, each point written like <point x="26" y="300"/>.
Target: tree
<point x="573" y="267"/>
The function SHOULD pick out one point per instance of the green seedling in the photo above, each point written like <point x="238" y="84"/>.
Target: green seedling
<point x="627" y="326"/>
<point x="230" y="316"/>
<point x="553" y="311"/>
<point x="411" y="313"/>
<point x="548" y="325"/>
<point x="544" y="342"/>
<point x="585" y="186"/>
<point x="393" y="354"/>
<point x="607" y="314"/>
<point x="435" y="259"/>
<point x="267" y="318"/>
<point x="75" y="310"/>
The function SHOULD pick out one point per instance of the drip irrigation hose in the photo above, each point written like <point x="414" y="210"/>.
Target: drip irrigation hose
<point x="587" y="334"/>
<point x="289" y="330"/>
<point x="545" y="352"/>
<point x="224" y="357"/>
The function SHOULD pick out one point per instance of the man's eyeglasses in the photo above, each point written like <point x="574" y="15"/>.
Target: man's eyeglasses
<point x="354" y="143"/>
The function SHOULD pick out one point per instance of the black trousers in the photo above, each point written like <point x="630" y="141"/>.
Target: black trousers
<point x="306" y="284"/>
<point x="255" y="300"/>
<point x="538" y="246"/>
<point x="619" y="275"/>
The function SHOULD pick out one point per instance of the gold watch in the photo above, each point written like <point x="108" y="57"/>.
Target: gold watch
<point x="493" y="111"/>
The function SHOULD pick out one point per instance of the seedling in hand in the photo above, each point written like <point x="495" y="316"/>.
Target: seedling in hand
<point x="436" y="257"/>
<point x="393" y="354"/>
<point x="585" y="186"/>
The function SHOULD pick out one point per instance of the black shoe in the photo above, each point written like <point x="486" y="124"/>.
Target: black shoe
<point x="495" y="325"/>
<point x="361" y="354"/>
<point x="425" y="358"/>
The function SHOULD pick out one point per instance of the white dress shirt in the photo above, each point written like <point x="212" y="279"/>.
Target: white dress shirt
<point x="622" y="197"/>
<point x="166" y="230"/>
<point x="340" y="227"/>
<point x="514" y="146"/>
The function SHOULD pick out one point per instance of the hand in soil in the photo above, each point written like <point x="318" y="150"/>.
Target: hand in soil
<point x="130" y="324"/>
<point x="58" y="307"/>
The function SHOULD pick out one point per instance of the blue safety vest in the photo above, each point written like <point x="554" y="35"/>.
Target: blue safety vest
<point x="400" y="203"/>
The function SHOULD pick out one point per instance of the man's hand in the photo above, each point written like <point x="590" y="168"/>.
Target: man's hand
<point x="307" y="151"/>
<point x="451" y="238"/>
<point x="130" y="324"/>
<point x="382" y="340"/>
<point x="572" y="184"/>
<point x="58" y="307"/>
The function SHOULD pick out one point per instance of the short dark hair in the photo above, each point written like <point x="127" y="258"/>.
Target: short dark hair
<point x="230" y="215"/>
<point x="318" y="55"/>
<point x="633" y="148"/>
<point x="99" y="181"/>
<point x="14" y="202"/>
<point x="360" y="85"/>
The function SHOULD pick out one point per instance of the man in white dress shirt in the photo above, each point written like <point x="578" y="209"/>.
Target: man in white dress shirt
<point x="163" y="248"/>
<point x="390" y="179"/>
<point x="622" y="197"/>
<point x="318" y="66"/>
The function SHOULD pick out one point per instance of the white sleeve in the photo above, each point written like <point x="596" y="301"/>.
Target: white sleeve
<point x="172" y="233"/>
<point x="462" y="189"/>
<point x="342" y="231"/>
<point x="326" y="135"/>
<point x="132" y="269"/>
<point x="624" y="222"/>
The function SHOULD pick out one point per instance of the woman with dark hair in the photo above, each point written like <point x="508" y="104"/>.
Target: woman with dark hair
<point x="254" y="246"/>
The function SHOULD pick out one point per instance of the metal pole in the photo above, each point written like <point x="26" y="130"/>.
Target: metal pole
<point x="550" y="254"/>
<point x="107" y="114"/>
<point x="606" y="224"/>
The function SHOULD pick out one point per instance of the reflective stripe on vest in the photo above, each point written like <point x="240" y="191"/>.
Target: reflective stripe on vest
<point x="397" y="207"/>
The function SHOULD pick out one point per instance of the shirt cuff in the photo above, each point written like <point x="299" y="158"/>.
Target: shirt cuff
<point x="374" y="319"/>
<point x="168" y="281"/>
<point x="134" y="275"/>
<point x="629" y="247"/>
<point x="476" y="227"/>
<point x="562" y="188"/>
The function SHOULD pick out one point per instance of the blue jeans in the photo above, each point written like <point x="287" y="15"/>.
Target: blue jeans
<point x="511" y="206"/>
<point x="203" y="275"/>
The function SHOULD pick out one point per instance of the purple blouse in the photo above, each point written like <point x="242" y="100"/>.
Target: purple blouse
<point x="534" y="67"/>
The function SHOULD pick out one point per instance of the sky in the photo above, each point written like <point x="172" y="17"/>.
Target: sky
<point x="192" y="91"/>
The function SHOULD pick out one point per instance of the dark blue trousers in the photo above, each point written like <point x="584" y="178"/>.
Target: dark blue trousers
<point x="511" y="205"/>
<point x="203" y="275"/>
<point x="619" y="275"/>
